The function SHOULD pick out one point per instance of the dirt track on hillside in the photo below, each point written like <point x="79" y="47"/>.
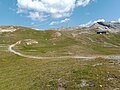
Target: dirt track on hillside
<point x="10" y="48"/>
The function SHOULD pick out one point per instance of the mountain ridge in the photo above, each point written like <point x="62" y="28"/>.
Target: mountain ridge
<point x="107" y="26"/>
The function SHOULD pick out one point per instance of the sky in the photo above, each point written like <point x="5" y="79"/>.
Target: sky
<point x="45" y="14"/>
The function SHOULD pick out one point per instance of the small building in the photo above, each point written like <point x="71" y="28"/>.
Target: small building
<point x="101" y="32"/>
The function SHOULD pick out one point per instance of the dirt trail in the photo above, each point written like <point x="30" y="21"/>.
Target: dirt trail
<point x="10" y="48"/>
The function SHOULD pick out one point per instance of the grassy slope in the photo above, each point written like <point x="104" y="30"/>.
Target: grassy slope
<point x="82" y="44"/>
<point x="18" y="73"/>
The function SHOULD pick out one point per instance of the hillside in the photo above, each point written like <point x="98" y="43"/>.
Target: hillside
<point x="81" y="42"/>
<point x="70" y="58"/>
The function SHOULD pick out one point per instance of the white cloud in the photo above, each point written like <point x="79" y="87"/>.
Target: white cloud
<point x="65" y="20"/>
<point x="12" y="9"/>
<point x="86" y="24"/>
<point x="33" y="23"/>
<point x="113" y="21"/>
<point x="54" y="8"/>
<point x="54" y="23"/>
<point x="92" y="22"/>
<point x="37" y="16"/>
<point x="99" y="20"/>
<point x="119" y="20"/>
<point x="59" y="22"/>
<point x="82" y="2"/>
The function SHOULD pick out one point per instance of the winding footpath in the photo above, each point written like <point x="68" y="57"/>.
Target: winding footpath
<point x="10" y="49"/>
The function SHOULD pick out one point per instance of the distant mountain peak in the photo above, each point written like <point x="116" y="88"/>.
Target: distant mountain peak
<point x="109" y="26"/>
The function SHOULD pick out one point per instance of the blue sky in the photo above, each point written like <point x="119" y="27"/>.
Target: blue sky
<point x="31" y="14"/>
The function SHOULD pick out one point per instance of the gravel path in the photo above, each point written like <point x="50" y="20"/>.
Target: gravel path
<point x="10" y="48"/>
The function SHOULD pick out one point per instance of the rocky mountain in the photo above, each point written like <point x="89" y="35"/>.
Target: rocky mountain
<point x="108" y="26"/>
<point x="7" y="29"/>
<point x="66" y="28"/>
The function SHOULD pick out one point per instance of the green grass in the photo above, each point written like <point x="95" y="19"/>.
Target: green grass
<point x="19" y="73"/>
<point x="77" y="46"/>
